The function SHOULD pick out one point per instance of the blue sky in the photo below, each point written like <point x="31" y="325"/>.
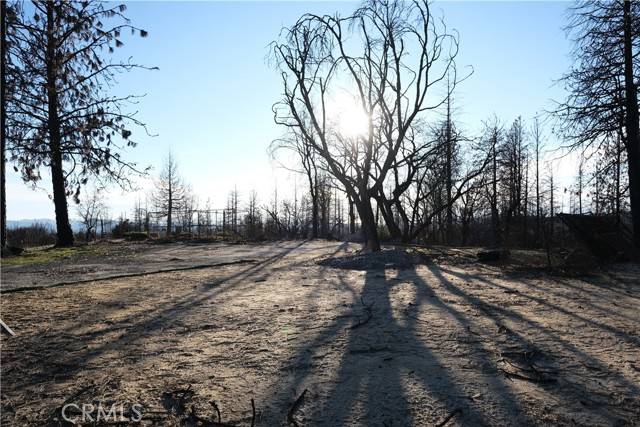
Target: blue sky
<point x="210" y="102"/>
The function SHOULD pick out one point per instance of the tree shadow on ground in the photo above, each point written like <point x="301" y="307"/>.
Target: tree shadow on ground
<point x="398" y="369"/>
<point x="388" y="373"/>
<point x="56" y="363"/>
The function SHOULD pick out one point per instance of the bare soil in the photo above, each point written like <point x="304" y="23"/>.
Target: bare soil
<point x="402" y="343"/>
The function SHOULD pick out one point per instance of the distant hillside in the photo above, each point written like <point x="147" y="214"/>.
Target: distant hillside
<point x="47" y="222"/>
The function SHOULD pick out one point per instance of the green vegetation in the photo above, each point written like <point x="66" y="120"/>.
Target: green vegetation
<point x="136" y="236"/>
<point x="44" y="255"/>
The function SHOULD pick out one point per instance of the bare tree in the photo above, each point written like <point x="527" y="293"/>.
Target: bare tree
<point x="253" y="219"/>
<point x="602" y="84"/>
<point x="610" y="182"/>
<point x="470" y="202"/>
<point x="232" y="210"/>
<point x="295" y="141"/>
<point x="3" y="120"/>
<point x="537" y="150"/>
<point x="170" y="192"/>
<point x="188" y="208"/>
<point x="512" y="175"/>
<point x="90" y="209"/>
<point x="390" y="86"/>
<point x="491" y="142"/>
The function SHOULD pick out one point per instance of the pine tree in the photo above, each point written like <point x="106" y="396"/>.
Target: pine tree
<point x="60" y="115"/>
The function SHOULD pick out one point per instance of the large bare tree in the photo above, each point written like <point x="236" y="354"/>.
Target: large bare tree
<point x="387" y="56"/>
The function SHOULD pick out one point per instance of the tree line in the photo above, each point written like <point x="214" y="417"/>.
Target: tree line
<point x="413" y="175"/>
<point x="417" y="172"/>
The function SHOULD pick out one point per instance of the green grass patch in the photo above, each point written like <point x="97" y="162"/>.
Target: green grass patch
<point x="46" y="255"/>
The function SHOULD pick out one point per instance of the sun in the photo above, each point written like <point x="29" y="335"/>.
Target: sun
<point x="351" y="120"/>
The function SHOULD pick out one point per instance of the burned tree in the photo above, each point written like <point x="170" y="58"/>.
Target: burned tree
<point x="90" y="209"/>
<point x="170" y="193"/>
<point x="390" y="85"/>
<point x="4" y="20"/>
<point x="60" y="114"/>
<point x="297" y="143"/>
<point x="538" y="146"/>
<point x="491" y="142"/>
<point x="602" y="84"/>
<point x="512" y="176"/>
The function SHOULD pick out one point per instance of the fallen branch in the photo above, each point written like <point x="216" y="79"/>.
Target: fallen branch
<point x="368" y="309"/>
<point x="451" y="415"/>
<point x="253" y="413"/>
<point x="6" y="329"/>
<point x="539" y="379"/>
<point x="215" y="406"/>
<point x="294" y="408"/>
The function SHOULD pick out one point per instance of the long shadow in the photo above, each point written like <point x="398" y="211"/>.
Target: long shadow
<point x="373" y="374"/>
<point x="371" y="385"/>
<point x="579" y="290"/>
<point x="303" y="360"/>
<point x="496" y="313"/>
<point x="141" y="325"/>
<point x="374" y="378"/>
<point x="622" y="335"/>
<point x="592" y="288"/>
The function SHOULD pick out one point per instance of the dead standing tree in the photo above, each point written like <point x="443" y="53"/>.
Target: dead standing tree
<point x="492" y="142"/>
<point x="4" y="21"/>
<point x="296" y="142"/>
<point x="170" y="194"/>
<point x="90" y="209"/>
<point x="60" y="115"/>
<point x="602" y="85"/>
<point x="317" y="55"/>
<point x="538" y="146"/>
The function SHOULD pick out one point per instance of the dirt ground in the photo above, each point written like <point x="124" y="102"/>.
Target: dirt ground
<point x="274" y="338"/>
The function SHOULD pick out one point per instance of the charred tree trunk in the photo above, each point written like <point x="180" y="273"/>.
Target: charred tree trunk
<point x="617" y="178"/>
<point x="3" y="126"/>
<point x="368" y="220"/>
<point x="449" y="177"/>
<point x="632" y="124"/>
<point x="170" y="211"/>
<point x="314" y="205"/>
<point x="63" y="228"/>
<point x="387" y="215"/>
<point x="465" y="231"/>
<point x="495" y="219"/>
<point x="315" y="216"/>
<point x="352" y="216"/>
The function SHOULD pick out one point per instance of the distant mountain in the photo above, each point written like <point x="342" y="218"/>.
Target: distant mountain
<point x="47" y="222"/>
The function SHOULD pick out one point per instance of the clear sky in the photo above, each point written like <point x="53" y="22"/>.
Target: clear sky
<point x="210" y="102"/>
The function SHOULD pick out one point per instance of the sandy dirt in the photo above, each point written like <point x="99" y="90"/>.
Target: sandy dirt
<point x="120" y="258"/>
<point x="448" y="338"/>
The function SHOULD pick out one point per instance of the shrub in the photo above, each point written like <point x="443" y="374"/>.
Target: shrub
<point x="121" y="228"/>
<point x="33" y="235"/>
<point x="136" y="236"/>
